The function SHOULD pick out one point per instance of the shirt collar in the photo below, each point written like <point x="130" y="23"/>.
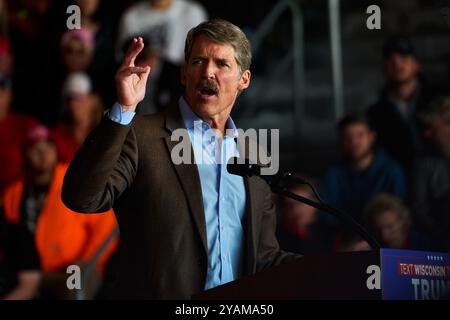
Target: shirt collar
<point x="189" y="119"/>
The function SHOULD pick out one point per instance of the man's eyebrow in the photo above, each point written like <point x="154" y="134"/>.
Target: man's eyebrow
<point x="223" y="60"/>
<point x="198" y="57"/>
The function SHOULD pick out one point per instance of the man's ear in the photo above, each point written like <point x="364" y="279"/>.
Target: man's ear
<point x="244" y="82"/>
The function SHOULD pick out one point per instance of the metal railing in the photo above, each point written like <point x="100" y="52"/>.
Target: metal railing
<point x="336" y="58"/>
<point x="296" y="55"/>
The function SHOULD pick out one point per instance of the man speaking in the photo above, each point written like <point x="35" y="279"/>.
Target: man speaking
<point x="184" y="227"/>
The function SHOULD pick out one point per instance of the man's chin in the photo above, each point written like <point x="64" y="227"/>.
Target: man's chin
<point x="356" y="157"/>
<point x="205" y="108"/>
<point x="401" y="80"/>
<point x="202" y="101"/>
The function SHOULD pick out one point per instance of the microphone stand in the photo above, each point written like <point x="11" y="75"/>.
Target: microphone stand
<point x="276" y="183"/>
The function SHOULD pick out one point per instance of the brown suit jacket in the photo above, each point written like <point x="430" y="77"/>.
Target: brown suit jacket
<point x="159" y="208"/>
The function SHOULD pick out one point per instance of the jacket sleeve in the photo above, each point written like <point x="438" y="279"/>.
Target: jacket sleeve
<point x="102" y="169"/>
<point x="269" y="253"/>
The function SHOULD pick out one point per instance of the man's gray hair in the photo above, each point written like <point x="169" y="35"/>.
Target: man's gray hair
<point x="222" y="31"/>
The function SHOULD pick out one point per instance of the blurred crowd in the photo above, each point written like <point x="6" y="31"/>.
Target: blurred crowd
<point x="54" y="85"/>
<point x="393" y="177"/>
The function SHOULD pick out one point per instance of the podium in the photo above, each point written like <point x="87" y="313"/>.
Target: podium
<point x="341" y="276"/>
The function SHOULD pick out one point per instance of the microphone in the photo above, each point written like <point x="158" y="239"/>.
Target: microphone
<point x="277" y="182"/>
<point x="242" y="167"/>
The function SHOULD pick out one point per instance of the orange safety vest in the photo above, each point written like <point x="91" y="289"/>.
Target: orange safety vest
<point x="63" y="237"/>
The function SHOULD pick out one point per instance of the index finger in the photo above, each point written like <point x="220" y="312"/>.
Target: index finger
<point x="133" y="50"/>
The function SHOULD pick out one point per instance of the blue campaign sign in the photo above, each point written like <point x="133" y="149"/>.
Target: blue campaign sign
<point x="415" y="275"/>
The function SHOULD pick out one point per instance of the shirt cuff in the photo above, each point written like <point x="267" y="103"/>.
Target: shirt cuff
<point x="118" y="116"/>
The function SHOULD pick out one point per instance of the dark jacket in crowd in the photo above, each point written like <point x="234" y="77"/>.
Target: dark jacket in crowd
<point x="161" y="89"/>
<point x="17" y="253"/>
<point x="399" y="135"/>
<point x="430" y="198"/>
<point x="350" y="190"/>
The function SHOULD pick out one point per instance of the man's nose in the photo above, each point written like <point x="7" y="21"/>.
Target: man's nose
<point x="209" y="70"/>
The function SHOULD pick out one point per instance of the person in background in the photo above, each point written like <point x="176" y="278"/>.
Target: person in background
<point x="77" y="54"/>
<point x="363" y="172"/>
<point x="100" y="19"/>
<point x="34" y="31"/>
<point x="6" y="58"/>
<point x="161" y="91"/>
<point x="164" y="21"/>
<point x="13" y="128"/>
<point x="390" y="222"/>
<point x="3" y="18"/>
<point x="394" y="115"/>
<point x="19" y="264"/>
<point x="83" y="110"/>
<point x="45" y="237"/>
<point x="430" y="188"/>
<point x="299" y="228"/>
<point x="77" y="47"/>
<point x="88" y="8"/>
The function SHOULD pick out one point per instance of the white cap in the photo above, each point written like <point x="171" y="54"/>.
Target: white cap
<point x="77" y="83"/>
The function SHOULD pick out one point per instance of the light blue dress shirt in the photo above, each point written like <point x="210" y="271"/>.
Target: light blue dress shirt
<point x="224" y="196"/>
<point x="117" y="115"/>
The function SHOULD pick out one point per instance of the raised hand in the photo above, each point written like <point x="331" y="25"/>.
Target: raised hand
<point x="131" y="80"/>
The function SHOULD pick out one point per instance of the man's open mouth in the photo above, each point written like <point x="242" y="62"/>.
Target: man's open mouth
<point x="208" y="92"/>
<point x="208" y="89"/>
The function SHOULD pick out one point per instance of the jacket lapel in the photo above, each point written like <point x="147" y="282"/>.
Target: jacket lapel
<point x="251" y="220"/>
<point x="190" y="182"/>
<point x="250" y="226"/>
<point x="188" y="176"/>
